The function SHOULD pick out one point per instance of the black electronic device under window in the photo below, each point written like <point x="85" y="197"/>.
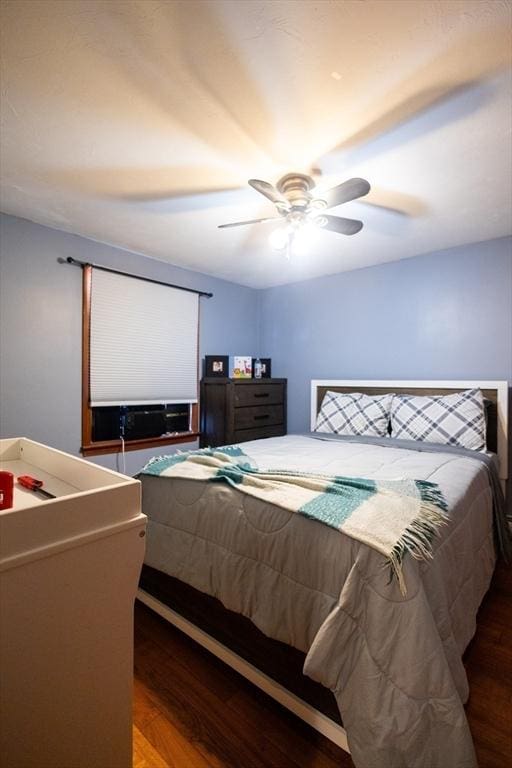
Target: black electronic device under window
<point x="139" y="421"/>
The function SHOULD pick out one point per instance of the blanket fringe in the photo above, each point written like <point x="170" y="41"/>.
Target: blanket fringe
<point x="417" y="538"/>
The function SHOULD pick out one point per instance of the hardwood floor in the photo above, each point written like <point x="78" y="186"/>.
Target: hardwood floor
<point x="191" y="711"/>
<point x="488" y="662"/>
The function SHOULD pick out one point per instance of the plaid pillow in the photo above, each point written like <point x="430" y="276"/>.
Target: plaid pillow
<point x="457" y="419"/>
<point x="354" y="414"/>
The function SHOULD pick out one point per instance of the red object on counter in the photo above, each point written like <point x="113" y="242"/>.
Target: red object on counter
<point x="26" y="481"/>
<point x="6" y="489"/>
<point x="30" y="482"/>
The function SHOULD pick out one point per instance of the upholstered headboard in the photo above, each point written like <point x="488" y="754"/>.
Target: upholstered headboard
<point x="495" y="392"/>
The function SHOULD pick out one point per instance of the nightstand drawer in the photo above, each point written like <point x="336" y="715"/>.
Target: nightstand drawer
<point x="242" y="435"/>
<point x="258" y="394"/>
<point x="258" y="416"/>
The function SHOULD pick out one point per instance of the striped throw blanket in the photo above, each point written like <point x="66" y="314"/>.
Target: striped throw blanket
<point x="395" y="517"/>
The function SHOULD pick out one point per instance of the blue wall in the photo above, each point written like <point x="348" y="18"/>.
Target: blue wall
<point x="443" y="315"/>
<point x="40" y="328"/>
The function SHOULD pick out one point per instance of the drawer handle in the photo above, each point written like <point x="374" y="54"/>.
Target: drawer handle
<point x="262" y="394"/>
<point x="265" y="416"/>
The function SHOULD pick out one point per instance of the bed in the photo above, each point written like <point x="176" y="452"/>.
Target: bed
<point x="270" y="591"/>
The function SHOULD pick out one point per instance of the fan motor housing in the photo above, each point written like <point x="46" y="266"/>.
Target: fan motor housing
<point x="295" y="187"/>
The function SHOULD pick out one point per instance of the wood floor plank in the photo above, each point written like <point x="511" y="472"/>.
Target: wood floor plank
<point x="198" y="662"/>
<point x="285" y="730"/>
<point x="175" y="748"/>
<point x="144" y="707"/>
<point x="144" y="753"/>
<point x="191" y="707"/>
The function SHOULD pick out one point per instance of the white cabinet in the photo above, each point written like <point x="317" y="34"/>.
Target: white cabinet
<point x="69" y="569"/>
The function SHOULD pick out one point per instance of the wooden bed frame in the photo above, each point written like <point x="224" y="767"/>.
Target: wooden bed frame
<point x="272" y="666"/>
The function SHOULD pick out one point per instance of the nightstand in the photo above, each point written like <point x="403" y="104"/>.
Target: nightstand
<point x="237" y="410"/>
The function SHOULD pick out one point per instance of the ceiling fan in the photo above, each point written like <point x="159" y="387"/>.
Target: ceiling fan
<point x="298" y="203"/>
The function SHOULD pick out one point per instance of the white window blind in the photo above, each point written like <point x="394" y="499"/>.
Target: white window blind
<point x="143" y="342"/>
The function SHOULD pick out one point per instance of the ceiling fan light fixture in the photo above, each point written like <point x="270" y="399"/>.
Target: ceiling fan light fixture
<point x="279" y="239"/>
<point x="303" y="238"/>
<point x="295" y="238"/>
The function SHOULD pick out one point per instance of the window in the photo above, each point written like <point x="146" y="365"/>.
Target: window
<point x="140" y="362"/>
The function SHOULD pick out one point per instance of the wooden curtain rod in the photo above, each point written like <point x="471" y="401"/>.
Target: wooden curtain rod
<point x="76" y="263"/>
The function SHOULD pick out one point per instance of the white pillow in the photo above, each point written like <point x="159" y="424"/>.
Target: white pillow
<point x="457" y="419"/>
<point x="354" y="414"/>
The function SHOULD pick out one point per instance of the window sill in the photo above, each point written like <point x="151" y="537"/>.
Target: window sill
<point x="115" y="446"/>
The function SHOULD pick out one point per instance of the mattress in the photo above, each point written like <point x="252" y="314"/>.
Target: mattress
<point x="392" y="661"/>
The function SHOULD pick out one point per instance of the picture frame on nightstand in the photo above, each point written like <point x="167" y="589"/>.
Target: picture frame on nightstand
<point x="266" y="367"/>
<point x="241" y="367"/>
<point x="216" y="366"/>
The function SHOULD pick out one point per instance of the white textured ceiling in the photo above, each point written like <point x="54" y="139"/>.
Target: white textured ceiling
<point x="138" y="123"/>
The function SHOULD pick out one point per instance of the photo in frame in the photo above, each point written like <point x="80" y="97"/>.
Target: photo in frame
<point x="216" y="365"/>
<point x="266" y="367"/>
<point x="240" y="367"/>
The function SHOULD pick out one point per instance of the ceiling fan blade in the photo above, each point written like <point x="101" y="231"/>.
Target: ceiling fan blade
<point x="270" y="192"/>
<point x="251" y="221"/>
<point x="340" y="225"/>
<point x="349" y="190"/>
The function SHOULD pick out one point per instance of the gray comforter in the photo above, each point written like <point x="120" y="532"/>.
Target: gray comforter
<point x="393" y="662"/>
